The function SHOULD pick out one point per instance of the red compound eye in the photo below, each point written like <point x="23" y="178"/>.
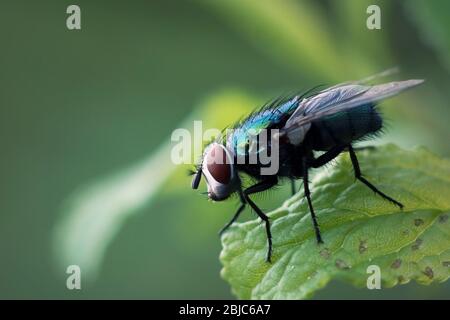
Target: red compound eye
<point x="217" y="164"/>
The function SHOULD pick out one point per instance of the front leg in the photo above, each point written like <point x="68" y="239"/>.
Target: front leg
<point x="236" y="215"/>
<point x="259" y="187"/>
<point x="266" y="184"/>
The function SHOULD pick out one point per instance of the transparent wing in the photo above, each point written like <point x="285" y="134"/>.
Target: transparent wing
<point x="333" y="95"/>
<point x="385" y="73"/>
<point x="324" y="100"/>
<point x="337" y="99"/>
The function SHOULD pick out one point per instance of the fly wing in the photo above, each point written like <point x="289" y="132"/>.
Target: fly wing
<point x="334" y="94"/>
<point x="385" y="73"/>
<point x="337" y="99"/>
<point x="324" y="100"/>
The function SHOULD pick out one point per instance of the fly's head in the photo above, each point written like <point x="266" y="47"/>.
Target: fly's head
<point x="219" y="171"/>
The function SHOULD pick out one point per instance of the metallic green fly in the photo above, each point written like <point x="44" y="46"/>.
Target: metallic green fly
<point x="328" y="121"/>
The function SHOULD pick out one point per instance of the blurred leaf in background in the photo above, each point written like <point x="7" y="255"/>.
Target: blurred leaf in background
<point x="434" y="26"/>
<point x="94" y="216"/>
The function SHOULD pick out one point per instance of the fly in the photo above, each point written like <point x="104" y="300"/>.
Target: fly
<point x="328" y="121"/>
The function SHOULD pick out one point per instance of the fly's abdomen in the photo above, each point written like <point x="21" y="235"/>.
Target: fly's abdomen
<point x="344" y="127"/>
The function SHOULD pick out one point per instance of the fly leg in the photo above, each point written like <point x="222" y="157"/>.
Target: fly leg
<point x="316" y="163"/>
<point x="264" y="185"/>
<point x="371" y="148"/>
<point x="293" y="187"/>
<point x="326" y="157"/>
<point x="359" y="176"/>
<point x="308" y="197"/>
<point x="236" y="215"/>
<point x="259" y="187"/>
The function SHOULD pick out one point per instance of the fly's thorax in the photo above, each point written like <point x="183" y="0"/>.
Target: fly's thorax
<point x="219" y="170"/>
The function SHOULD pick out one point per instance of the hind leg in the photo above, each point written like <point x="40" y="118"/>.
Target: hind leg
<point x="359" y="176"/>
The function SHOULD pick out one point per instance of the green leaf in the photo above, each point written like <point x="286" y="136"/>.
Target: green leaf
<point x="359" y="229"/>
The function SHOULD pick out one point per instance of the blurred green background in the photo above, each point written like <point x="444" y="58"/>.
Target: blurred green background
<point x="86" y="117"/>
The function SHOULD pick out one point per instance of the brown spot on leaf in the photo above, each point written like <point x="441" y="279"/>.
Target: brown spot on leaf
<point x="418" y="222"/>
<point x="428" y="272"/>
<point x="325" y="253"/>
<point x="362" y="246"/>
<point x="446" y="264"/>
<point x="443" y="218"/>
<point x="405" y="232"/>
<point x="401" y="279"/>
<point x="341" y="264"/>
<point x="396" y="264"/>
<point x="417" y="244"/>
